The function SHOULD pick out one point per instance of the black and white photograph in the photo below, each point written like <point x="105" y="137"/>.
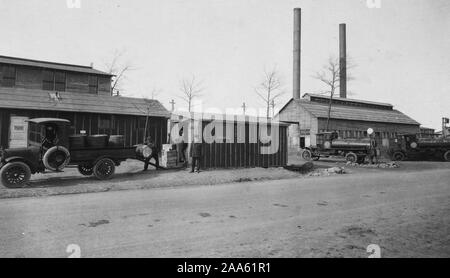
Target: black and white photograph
<point x="237" y="130"/>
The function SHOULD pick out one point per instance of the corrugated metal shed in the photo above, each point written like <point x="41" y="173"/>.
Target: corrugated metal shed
<point x="50" y="65"/>
<point x="76" y="102"/>
<point x="320" y="110"/>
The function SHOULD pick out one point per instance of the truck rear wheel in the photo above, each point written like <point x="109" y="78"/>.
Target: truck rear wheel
<point x="104" y="169"/>
<point x="85" y="169"/>
<point x="398" y="156"/>
<point x="15" y="174"/>
<point x="447" y="156"/>
<point x="351" y="157"/>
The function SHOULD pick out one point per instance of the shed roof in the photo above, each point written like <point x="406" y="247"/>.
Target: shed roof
<point x="178" y="116"/>
<point x="354" y="113"/>
<point x="14" y="98"/>
<point x="50" y="65"/>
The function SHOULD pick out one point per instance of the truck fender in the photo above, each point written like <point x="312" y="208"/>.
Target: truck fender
<point x="20" y="159"/>
<point x="105" y="156"/>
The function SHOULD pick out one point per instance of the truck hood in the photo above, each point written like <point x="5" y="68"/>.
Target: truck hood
<point x="20" y="152"/>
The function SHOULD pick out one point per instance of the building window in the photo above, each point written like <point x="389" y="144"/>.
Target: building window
<point x="60" y="81"/>
<point x="48" y="82"/>
<point x="9" y="76"/>
<point x="93" y="84"/>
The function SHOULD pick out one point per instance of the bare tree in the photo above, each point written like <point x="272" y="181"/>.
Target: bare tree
<point x="146" y="111"/>
<point x="270" y="89"/>
<point x="155" y="92"/>
<point x="190" y="90"/>
<point x="329" y="75"/>
<point x="119" y="68"/>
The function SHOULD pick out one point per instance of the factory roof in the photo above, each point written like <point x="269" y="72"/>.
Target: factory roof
<point x="351" y="112"/>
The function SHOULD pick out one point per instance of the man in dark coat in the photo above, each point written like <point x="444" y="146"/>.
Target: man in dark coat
<point x="196" y="154"/>
<point x="373" y="150"/>
<point x="151" y="144"/>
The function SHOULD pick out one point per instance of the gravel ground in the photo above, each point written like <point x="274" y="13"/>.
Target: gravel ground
<point x="130" y="176"/>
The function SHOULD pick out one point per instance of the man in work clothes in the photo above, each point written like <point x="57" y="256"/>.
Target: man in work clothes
<point x="149" y="142"/>
<point x="196" y="154"/>
<point x="373" y="150"/>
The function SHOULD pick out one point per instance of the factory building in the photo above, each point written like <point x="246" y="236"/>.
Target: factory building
<point x="351" y="118"/>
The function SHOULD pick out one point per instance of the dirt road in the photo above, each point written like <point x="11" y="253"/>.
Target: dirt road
<point x="406" y="213"/>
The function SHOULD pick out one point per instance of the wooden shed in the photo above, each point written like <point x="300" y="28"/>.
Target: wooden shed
<point x="233" y="142"/>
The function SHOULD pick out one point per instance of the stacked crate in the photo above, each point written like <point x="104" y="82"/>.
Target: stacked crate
<point x="169" y="157"/>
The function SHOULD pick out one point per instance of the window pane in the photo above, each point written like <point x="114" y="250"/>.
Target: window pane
<point x="60" y="81"/>
<point x="9" y="76"/>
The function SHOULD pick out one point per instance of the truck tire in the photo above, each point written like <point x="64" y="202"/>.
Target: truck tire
<point x="56" y="158"/>
<point x="85" y="169"/>
<point x="351" y="157"/>
<point x="104" y="169"/>
<point x="15" y="174"/>
<point x="307" y="155"/>
<point x="398" y="156"/>
<point x="447" y="156"/>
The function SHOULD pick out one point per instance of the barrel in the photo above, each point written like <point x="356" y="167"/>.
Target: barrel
<point x="116" y="141"/>
<point x="143" y="151"/>
<point x="97" y="141"/>
<point x="77" y="141"/>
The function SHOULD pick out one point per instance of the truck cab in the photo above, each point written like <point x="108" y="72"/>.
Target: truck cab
<point x="17" y="164"/>
<point x="409" y="146"/>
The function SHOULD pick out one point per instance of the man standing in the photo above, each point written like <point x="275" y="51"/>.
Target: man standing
<point x="181" y="147"/>
<point x="196" y="154"/>
<point x="149" y="142"/>
<point x="373" y="149"/>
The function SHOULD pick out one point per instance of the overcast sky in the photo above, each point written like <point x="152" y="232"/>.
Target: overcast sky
<point x="401" y="49"/>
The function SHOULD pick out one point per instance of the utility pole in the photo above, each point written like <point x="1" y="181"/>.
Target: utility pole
<point x="173" y="105"/>
<point x="244" y="107"/>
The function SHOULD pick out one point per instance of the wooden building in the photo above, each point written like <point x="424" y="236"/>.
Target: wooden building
<point x="233" y="142"/>
<point x="349" y="117"/>
<point x="81" y="94"/>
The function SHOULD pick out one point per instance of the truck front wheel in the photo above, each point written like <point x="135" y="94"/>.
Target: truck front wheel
<point x="104" y="169"/>
<point x="447" y="156"/>
<point x="307" y="155"/>
<point x="398" y="156"/>
<point x="351" y="157"/>
<point x="15" y="174"/>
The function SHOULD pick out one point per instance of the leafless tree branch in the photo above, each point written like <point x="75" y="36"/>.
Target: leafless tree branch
<point x="119" y="69"/>
<point x="270" y="88"/>
<point x="190" y="90"/>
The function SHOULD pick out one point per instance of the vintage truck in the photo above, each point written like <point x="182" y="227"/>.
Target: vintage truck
<point x="50" y="149"/>
<point x="410" y="146"/>
<point x="328" y="144"/>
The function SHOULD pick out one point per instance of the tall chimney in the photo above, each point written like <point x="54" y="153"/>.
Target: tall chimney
<point x="297" y="52"/>
<point x="343" y="60"/>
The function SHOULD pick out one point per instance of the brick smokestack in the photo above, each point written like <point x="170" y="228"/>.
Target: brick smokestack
<point x="343" y="60"/>
<point x="297" y="52"/>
